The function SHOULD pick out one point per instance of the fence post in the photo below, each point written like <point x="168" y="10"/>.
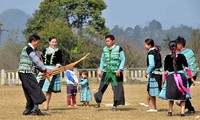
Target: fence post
<point x="125" y="75"/>
<point x="3" y="77"/>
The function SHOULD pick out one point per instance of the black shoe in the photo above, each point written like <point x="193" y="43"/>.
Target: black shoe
<point x="169" y="114"/>
<point x="178" y="103"/>
<point x="97" y="105"/>
<point x="37" y="112"/>
<point x="190" y="112"/>
<point x="27" y="112"/>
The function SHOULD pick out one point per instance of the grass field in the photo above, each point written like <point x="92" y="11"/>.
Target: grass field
<point x="12" y="103"/>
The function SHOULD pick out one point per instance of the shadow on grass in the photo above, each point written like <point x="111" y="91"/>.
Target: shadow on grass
<point x="69" y="108"/>
<point x="163" y="110"/>
<point x="197" y="112"/>
<point x="118" y="109"/>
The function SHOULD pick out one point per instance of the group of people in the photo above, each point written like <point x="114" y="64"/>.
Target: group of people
<point x="32" y="61"/>
<point x="179" y="73"/>
<point x="112" y="63"/>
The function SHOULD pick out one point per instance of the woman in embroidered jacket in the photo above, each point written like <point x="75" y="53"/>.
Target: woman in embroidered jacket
<point x="154" y="70"/>
<point x="52" y="58"/>
<point x="176" y="81"/>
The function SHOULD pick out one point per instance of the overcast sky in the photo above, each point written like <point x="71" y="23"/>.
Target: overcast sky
<point x="128" y="13"/>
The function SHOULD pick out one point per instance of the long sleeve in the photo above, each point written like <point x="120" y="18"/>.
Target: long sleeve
<point x="36" y="60"/>
<point x="68" y="75"/>
<point x="123" y="60"/>
<point x="151" y="64"/>
<point x="101" y="62"/>
<point x="84" y="82"/>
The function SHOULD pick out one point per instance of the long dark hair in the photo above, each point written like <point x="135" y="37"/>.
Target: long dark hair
<point x="149" y="41"/>
<point x="172" y="47"/>
<point x="52" y="37"/>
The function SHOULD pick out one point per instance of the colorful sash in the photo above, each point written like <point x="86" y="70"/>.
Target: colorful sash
<point x="112" y="77"/>
<point x="179" y="84"/>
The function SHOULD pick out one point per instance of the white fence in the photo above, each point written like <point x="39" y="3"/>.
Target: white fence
<point x="10" y="77"/>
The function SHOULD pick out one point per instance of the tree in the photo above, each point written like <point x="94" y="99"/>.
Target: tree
<point x="137" y="32"/>
<point x="77" y="13"/>
<point x="134" y="57"/>
<point x="83" y="17"/>
<point x="10" y="52"/>
<point x="195" y="43"/>
<point x="117" y="31"/>
<point x="155" y="25"/>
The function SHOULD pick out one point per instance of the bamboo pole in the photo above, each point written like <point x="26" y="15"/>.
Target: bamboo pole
<point x="61" y="69"/>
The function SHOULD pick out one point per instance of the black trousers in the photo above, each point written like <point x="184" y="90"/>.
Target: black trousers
<point x="32" y="90"/>
<point x="118" y="91"/>
<point x="188" y="104"/>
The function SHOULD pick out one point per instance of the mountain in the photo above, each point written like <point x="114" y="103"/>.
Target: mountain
<point x="13" y="20"/>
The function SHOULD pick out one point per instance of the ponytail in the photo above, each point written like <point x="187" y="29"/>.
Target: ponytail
<point x="172" y="47"/>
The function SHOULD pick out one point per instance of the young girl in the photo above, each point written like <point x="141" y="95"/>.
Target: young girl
<point x="72" y="82"/>
<point x="154" y="71"/>
<point x="85" y="93"/>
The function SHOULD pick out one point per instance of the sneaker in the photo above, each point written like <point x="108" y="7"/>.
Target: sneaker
<point x="190" y="112"/>
<point x="152" y="110"/>
<point x="143" y="104"/>
<point x="27" y="112"/>
<point x="178" y="103"/>
<point x="36" y="112"/>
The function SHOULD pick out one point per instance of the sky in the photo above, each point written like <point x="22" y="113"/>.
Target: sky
<point x="129" y="13"/>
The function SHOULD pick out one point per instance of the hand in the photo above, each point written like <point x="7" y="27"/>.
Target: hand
<point x="75" y="83"/>
<point x="193" y="82"/>
<point x="49" y="71"/>
<point x="118" y="73"/>
<point x="100" y="74"/>
<point x="146" y="75"/>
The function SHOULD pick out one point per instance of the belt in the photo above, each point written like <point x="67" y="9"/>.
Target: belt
<point x="157" y="72"/>
<point x="25" y="71"/>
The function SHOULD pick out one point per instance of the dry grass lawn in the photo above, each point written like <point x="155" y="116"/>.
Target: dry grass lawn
<point x="12" y="103"/>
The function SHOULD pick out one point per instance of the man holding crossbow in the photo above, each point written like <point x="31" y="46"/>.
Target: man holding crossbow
<point x="28" y="63"/>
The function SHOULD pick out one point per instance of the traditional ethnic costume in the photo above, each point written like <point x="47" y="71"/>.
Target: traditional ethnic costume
<point x="154" y="69"/>
<point x="71" y="87"/>
<point x="27" y="74"/>
<point x="112" y="59"/>
<point x="193" y="65"/>
<point x="176" y="83"/>
<point x="52" y="58"/>
<point x="85" y="93"/>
